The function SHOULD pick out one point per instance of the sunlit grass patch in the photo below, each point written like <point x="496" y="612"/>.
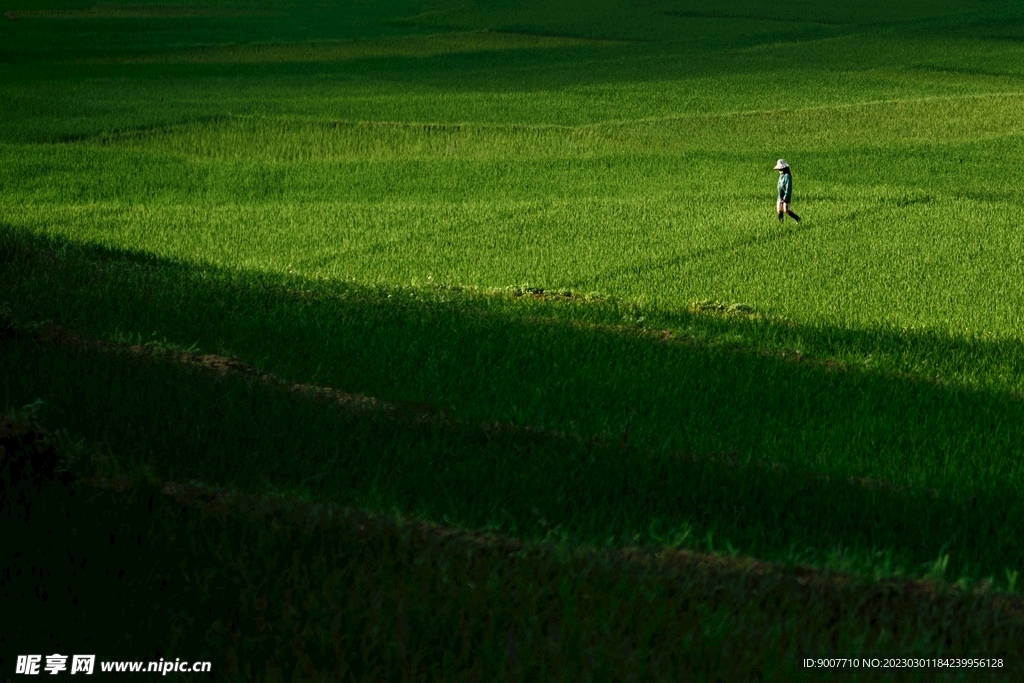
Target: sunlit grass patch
<point x="291" y="140"/>
<point x="852" y="125"/>
<point x="918" y="122"/>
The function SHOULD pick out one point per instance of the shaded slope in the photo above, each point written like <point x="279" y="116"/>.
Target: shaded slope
<point x="185" y="416"/>
<point x="264" y="585"/>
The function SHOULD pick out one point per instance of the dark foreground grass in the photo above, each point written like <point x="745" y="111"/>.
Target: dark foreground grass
<point x="150" y="414"/>
<point x="269" y="588"/>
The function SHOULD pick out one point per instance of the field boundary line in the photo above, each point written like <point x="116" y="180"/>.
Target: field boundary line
<point x="669" y="563"/>
<point x="454" y="126"/>
<point x="214" y="364"/>
<point x="797" y="110"/>
<point x="353" y="403"/>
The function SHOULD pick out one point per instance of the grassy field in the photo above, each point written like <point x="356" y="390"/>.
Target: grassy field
<point x="508" y="274"/>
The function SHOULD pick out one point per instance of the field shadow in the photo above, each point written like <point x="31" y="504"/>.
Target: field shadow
<point x="814" y="456"/>
<point x="233" y="578"/>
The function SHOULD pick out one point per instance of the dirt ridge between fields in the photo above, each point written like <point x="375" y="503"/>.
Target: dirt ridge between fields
<point x="765" y="578"/>
<point x="224" y="366"/>
<point x="23" y="443"/>
<point x="673" y="564"/>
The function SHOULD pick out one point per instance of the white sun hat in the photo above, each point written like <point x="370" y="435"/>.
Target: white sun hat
<point x="781" y="164"/>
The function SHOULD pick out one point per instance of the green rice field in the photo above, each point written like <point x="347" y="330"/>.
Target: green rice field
<point x="442" y="340"/>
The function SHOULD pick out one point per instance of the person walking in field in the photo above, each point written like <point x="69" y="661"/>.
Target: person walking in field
<point x="785" y="191"/>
